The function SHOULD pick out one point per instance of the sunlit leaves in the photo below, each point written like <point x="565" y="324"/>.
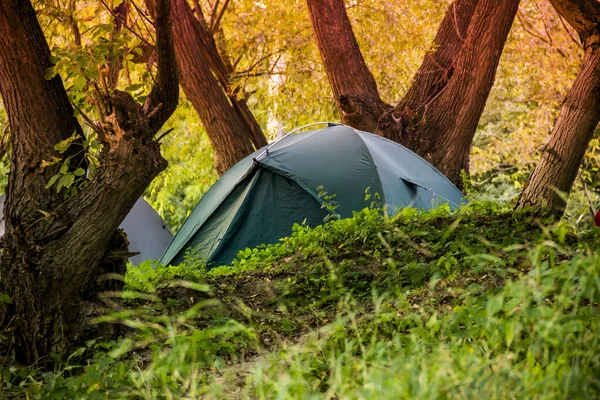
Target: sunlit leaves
<point x="277" y="67"/>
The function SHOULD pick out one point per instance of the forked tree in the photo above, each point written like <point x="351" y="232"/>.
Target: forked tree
<point x="206" y="80"/>
<point x="554" y="175"/>
<point x="56" y="246"/>
<point x="438" y="116"/>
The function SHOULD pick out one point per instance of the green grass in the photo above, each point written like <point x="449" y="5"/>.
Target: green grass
<point x="480" y="304"/>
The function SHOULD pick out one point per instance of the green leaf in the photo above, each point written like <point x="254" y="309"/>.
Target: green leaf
<point x="63" y="145"/>
<point x="79" y="83"/>
<point x="52" y="180"/>
<point x="65" y="167"/>
<point x="95" y="145"/>
<point x="79" y="172"/>
<point x="50" y="73"/>
<point x="65" y="181"/>
<point x="509" y="332"/>
<point x="495" y="304"/>
<point x="5" y="299"/>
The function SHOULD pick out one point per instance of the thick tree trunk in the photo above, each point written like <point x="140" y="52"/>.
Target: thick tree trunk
<point x="445" y="131"/>
<point x="52" y="260"/>
<point x="354" y="88"/>
<point x="434" y="73"/>
<point x="231" y="128"/>
<point x="438" y="116"/>
<point x="46" y="120"/>
<point x="553" y="177"/>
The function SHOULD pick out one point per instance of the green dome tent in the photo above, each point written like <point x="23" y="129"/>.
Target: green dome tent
<point x="260" y="198"/>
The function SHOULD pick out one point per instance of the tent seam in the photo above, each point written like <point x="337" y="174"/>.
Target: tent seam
<point x="199" y="225"/>
<point x="372" y="161"/>
<point x="236" y="217"/>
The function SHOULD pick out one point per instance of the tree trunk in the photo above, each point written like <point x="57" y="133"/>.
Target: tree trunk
<point x="435" y="70"/>
<point x="445" y="131"/>
<point x="553" y="177"/>
<point x="231" y="128"/>
<point x="438" y="116"/>
<point x="354" y="88"/>
<point x="223" y="70"/>
<point x="54" y="246"/>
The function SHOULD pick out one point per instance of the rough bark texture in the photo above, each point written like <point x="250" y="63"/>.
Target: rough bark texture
<point x="434" y="73"/>
<point x="223" y="70"/>
<point x="438" y="116"/>
<point x="51" y="262"/>
<point x="353" y="85"/>
<point x="231" y="127"/>
<point x="554" y="175"/>
<point x="445" y="132"/>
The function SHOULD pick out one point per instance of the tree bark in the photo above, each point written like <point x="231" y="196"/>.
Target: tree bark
<point x="52" y="260"/>
<point x="553" y="177"/>
<point x="444" y="134"/>
<point x="354" y="88"/>
<point x="438" y="116"/>
<point x="223" y="70"/>
<point x="231" y="127"/>
<point x="435" y="71"/>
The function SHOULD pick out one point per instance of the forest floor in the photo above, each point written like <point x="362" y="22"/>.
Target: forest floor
<point x="483" y="302"/>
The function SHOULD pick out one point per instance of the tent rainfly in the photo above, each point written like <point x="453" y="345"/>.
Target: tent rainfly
<point x="260" y="198"/>
<point x="147" y="232"/>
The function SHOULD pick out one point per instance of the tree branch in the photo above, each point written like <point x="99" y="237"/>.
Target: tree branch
<point x="529" y="29"/>
<point x="165" y="93"/>
<point x="213" y="11"/>
<point x="198" y="12"/>
<point x="569" y="32"/>
<point x="115" y="64"/>
<point x="73" y="23"/>
<point x="437" y="66"/>
<point x="214" y="25"/>
<point x="126" y="26"/>
<point x="583" y="15"/>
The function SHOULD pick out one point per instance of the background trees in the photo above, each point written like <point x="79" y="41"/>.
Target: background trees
<point x="538" y="64"/>
<point x="553" y="177"/>
<point x="273" y="42"/>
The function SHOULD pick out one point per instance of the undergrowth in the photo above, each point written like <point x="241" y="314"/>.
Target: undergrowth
<point x="481" y="303"/>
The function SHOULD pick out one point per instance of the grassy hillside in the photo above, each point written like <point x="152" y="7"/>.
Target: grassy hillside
<point x="480" y="304"/>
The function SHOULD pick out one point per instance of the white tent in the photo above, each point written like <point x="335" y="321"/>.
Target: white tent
<point x="147" y="232"/>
